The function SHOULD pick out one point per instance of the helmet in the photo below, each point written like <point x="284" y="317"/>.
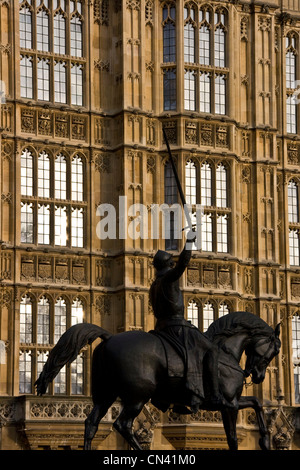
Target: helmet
<point x="161" y="259"/>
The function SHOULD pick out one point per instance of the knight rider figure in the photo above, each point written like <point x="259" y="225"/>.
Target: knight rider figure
<point x="168" y="307"/>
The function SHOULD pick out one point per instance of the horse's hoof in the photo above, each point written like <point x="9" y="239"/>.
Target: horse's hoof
<point x="264" y="443"/>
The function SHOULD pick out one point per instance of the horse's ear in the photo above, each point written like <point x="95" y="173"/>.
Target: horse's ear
<point x="277" y="330"/>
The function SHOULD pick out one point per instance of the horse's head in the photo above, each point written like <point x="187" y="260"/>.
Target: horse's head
<point x="260" y="353"/>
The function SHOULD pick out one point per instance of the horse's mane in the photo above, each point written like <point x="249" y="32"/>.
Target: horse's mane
<point x="238" y="322"/>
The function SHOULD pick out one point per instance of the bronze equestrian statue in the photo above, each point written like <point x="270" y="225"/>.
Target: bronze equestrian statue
<point x="173" y="366"/>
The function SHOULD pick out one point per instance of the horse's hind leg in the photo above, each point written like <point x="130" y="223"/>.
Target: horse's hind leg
<point x="93" y="420"/>
<point x="229" y="417"/>
<point x="124" y="423"/>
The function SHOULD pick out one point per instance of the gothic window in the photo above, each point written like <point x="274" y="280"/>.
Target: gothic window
<point x="205" y="49"/>
<point x="77" y="179"/>
<point x="223" y="309"/>
<point x="76" y="84"/>
<point x="221" y="186"/>
<point x="210" y="190"/>
<point x="60" y="177"/>
<point x="43" y="224"/>
<point x="169" y="55"/>
<point x="77" y="227"/>
<point x="189" y="90"/>
<point x="76" y="36"/>
<point x="25" y="372"/>
<point x="42" y="31"/>
<point x="191" y="183"/>
<point x="170" y="100"/>
<point x="206" y="184"/>
<point x="60" y="226"/>
<point x="43" y="80"/>
<point x="293" y="219"/>
<point x="293" y="204"/>
<point x="189" y="34"/>
<point x="207" y="233"/>
<point x="296" y="355"/>
<point x="222" y="233"/>
<point x="25" y="26"/>
<point x="208" y="315"/>
<point x="171" y="242"/>
<point x="26" y="77"/>
<point x="43" y="321"/>
<point x="205" y="92"/>
<point x="193" y="313"/>
<point x="291" y="77"/>
<point x="60" y="319"/>
<point x="55" y="27"/>
<point x="43" y="175"/>
<point x="169" y="33"/>
<point x="26" y="173"/>
<point x="59" y="33"/>
<point x="54" y="184"/>
<point x="26" y="320"/>
<point x="294" y="247"/>
<point x="60" y="82"/>
<point x="77" y="312"/>
<point x="26" y="223"/>
<point x="41" y="325"/>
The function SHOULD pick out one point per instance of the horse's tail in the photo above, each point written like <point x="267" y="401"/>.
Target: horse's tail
<point x="67" y="349"/>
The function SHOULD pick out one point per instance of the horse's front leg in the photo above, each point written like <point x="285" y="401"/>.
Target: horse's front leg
<point x="229" y="416"/>
<point x="253" y="402"/>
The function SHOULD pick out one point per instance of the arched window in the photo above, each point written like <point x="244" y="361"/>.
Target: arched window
<point x="296" y="355"/>
<point x="26" y="173"/>
<point x="60" y="177"/>
<point x="26" y="320"/>
<point x="77" y="179"/>
<point x="291" y="80"/>
<point x="189" y="90"/>
<point x="60" y="82"/>
<point x="43" y="321"/>
<point x="76" y="84"/>
<point x="43" y="80"/>
<point x="221" y="186"/>
<point x="43" y="175"/>
<point x="59" y="33"/>
<point x="205" y="79"/>
<point x="189" y="34"/>
<point x="43" y="224"/>
<point x="26" y="222"/>
<point x="77" y="312"/>
<point x="77" y="375"/>
<point x="193" y="313"/>
<point x="25" y="28"/>
<point x="204" y="38"/>
<point x="76" y="36"/>
<point x="293" y="204"/>
<point x="42" y="31"/>
<point x="191" y="182"/>
<point x="60" y="319"/>
<point x="208" y="315"/>
<point x="77" y="227"/>
<point x="169" y="33"/>
<point x="294" y="247"/>
<point x="206" y="184"/>
<point x="222" y="233"/>
<point x="219" y="39"/>
<point x="60" y="226"/>
<point x="223" y="309"/>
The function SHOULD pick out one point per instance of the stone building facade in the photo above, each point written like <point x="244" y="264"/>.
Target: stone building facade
<point x="86" y="88"/>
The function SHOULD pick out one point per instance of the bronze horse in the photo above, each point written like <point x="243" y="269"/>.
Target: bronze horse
<point x="132" y="366"/>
